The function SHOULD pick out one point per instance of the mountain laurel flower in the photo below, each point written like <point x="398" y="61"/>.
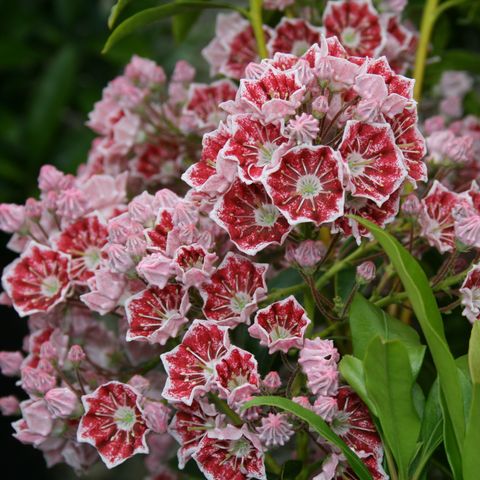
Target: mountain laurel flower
<point x="10" y="363"/>
<point x="9" y="406"/>
<point x="62" y="402"/>
<point x="275" y="430"/>
<point x="470" y="294"/>
<point x="366" y="272"/>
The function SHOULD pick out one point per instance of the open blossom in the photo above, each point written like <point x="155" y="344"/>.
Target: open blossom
<point x="230" y="453"/>
<point x="113" y="423"/>
<point x="281" y="325"/>
<point x="275" y="430"/>
<point x="233" y="291"/>
<point x="191" y="365"/>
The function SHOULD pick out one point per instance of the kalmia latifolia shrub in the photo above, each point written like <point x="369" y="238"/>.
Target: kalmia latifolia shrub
<point x="158" y="308"/>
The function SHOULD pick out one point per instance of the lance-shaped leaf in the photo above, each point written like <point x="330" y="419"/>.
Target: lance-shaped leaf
<point x="426" y="310"/>
<point x="390" y="381"/>
<point x="317" y="424"/>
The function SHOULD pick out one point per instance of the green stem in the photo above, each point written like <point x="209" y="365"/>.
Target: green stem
<point x="341" y="264"/>
<point x="224" y="408"/>
<point x="426" y="28"/>
<point x="398" y="297"/>
<point x="282" y="293"/>
<point x="257" y="25"/>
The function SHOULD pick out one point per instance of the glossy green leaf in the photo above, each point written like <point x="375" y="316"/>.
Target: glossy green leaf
<point x="351" y="369"/>
<point x="183" y="23"/>
<point x="115" y="12"/>
<point x="155" y="14"/>
<point x="367" y="321"/>
<point x="452" y="449"/>
<point x="471" y="458"/>
<point x="317" y="424"/>
<point x="390" y="381"/>
<point x="428" y="315"/>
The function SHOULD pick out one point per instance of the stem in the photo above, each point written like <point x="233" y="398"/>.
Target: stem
<point x="282" y="293"/>
<point x="257" y="25"/>
<point x="446" y="5"/>
<point x="426" y="28"/>
<point x="224" y="408"/>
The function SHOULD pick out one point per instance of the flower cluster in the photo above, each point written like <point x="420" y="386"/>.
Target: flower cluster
<point x="151" y="128"/>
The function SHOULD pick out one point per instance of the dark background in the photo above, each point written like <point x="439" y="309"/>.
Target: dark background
<point x="52" y="72"/>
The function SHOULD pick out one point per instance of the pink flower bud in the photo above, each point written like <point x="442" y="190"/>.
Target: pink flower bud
<point x="76" y="354"/>
<point x="366" y="272"/>
<point x="33" y="208"/>
<point x="10" y="363"/>
<point x="141" y="209"/>
<point x="156" y="269"/>
<point x="48" y="351"/>
<point x="136" y="246"/>
<point x="37" y="381"/>
<point x="139" y="383"/>
<point x="119" y="258"/>
<point x="52" y="179"/>
<point x="452" y="107"/>
<point x="72" y="203"/>
<point x="307" y="254"/>
<point x="303" y="128"/>
<point x="183" y="72"/>
<point x="12" y="217"/>
<point x="434" y="124"/>
<point x="325" y="407"/>
<point x="61" y="402"/>
<point x="272" y="380"/>
<point x="320" y="104"/>
<point x="9" y="406"/>
<point x="37" y="416"/>
<point x="156" y="416"/>
<point x="411" y="205"/>
<point x="50" y="201"/>
<point x="303" y="402"/>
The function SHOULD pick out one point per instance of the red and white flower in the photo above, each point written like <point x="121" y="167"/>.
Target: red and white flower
<point x="356" y="24"/>
<point x="436" y="216"/>
<point x="191" y="365"/>
<point x="193" y="265"/>
<point x="38" y="280"/>
<point x="202" y="108"/>
<point x="237" y="376"/>
<point x="234" y="290"/>
<point x="252" y="221"/>
<point x="231" y="453"/>
<point x="293" y="35"/>
<point x="470" y="294"/>
<point x="254" y="146"/>
<point x="157" y="314"/>
<point x="307" y="185"/>
<point x="83" y="241"/>
<point x="281" y="325"/>
<point x="375" y="165"/>
<point x="113" y="423"/>
<point x="190" y="424"/>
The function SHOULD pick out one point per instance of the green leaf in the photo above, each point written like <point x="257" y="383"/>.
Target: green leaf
<point x="183" y="23"/>
<point x="318" y="424"/>
<point x="452" y="448"/>
<point x="426" y="310"/>
<point x="471" y="458"/>
<point x="389" y="381"/>
<point x="115" y="12"/>
<point x="431" y="432"/>
<point x="291" y="469"/>
<point x="54" y="90"/>
<point x="155" y="14"/>
<point x="351" y="369"/>
<point x="368" y="321"/>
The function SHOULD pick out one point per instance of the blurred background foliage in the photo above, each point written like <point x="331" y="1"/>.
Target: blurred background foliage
<point x="52" y="72"/>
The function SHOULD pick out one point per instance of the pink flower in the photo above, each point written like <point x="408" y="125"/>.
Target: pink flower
<point x="191" y="365"/>
<point x="157" y="314"/>
<point x="272" y="381"/>
<point x="293" y="35"/>
<point x="237" y="376"/>
<point x="72" y="204"/>
<point x="61" y="402"/>
<point x="277" y="4"/>
<point x="318" y="359"/>
<point x="10" y="363"/>
<point x="52" y="179"/>
<point x="156" y="269"/>
<point x="470" y="294"/>
<point x="275" y="430"/>
<point x="307" y="254"/>
<point x="194" y="265"/>
<point x="303" y="128"/>
<point x="83" y="241"/>
<point x="452" y="106"/>
<point x="9" y="406"/>
<point x="411" y="205"/>
<point x="76" y="355"/>
<point x="189" y="425"/>
<point x="12" y="217"/>
<point x="156" y="416"/>
<point x="232" y="293"/>
<point x="36" y="381"/>
<point x="38" y="280"/>
<point x="455" y="84"/>
<point x="366" y="271"/>
<point x="113" y="423"/>
<point x="357" y="26"/>
<point x="144" y="72"/>
<point x="248" y="215"/>
<point x="230" y="453"/>
<point x="307" y="185"/>
<point x="326" y="407"/>
<point x="281" y="325"/>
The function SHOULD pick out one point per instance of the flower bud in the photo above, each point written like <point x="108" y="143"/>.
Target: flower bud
<point x="325" y="407"/>
<point x="411" y="205"/>
<point x="61" y="402"/>
<point x="139" y="383"/>
<point x="9" y="406"/>
<point x="307" y="254"/>
<point x="156" y="269"/>
<point x="76" y="354"/>
<point x="37" y="381"/>
<point x="119" y="258"/>
<point x="156" y="416"/>
<point x="72" y="203"/>
<point x="12" y="217"/>
<point x="10" y="363"/>
<point x="272" y="381"/>
<point x="366" y="272"/>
